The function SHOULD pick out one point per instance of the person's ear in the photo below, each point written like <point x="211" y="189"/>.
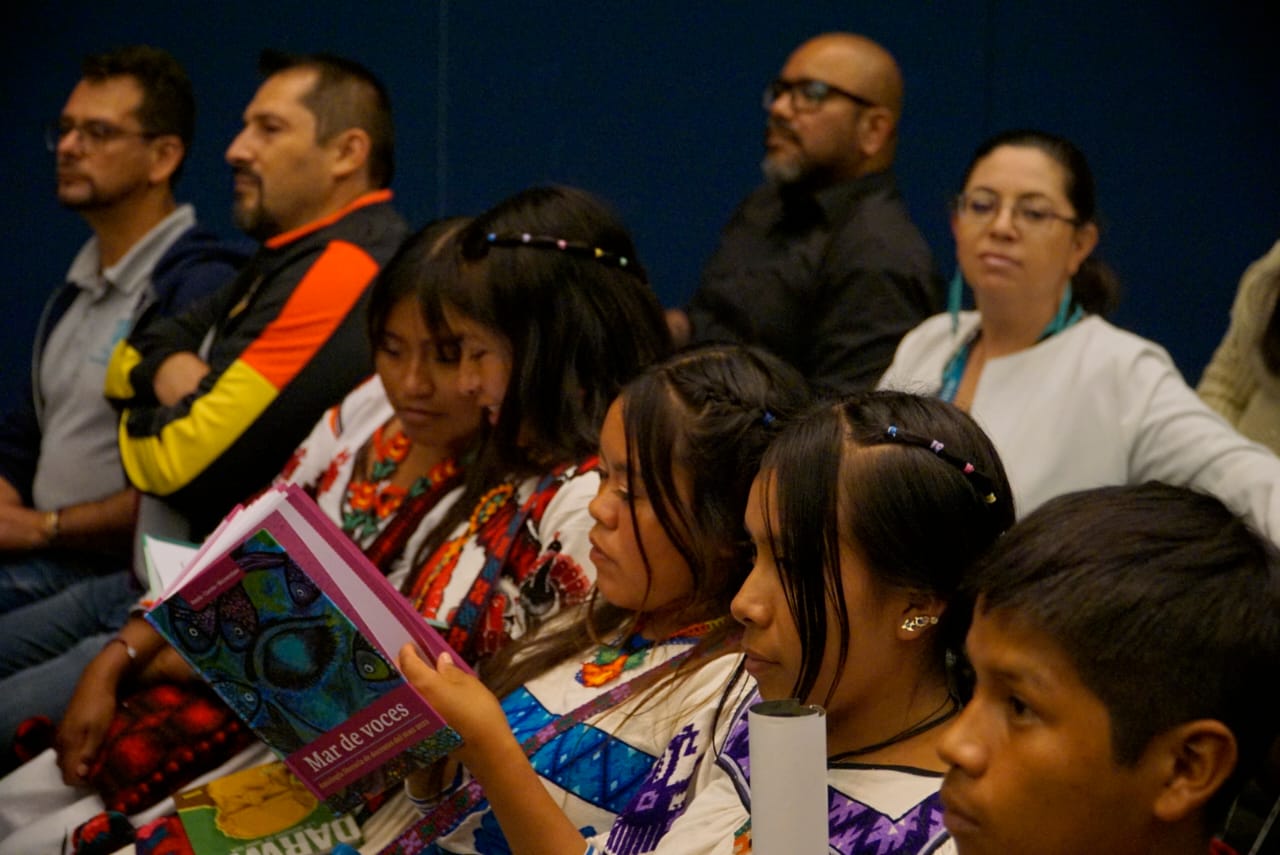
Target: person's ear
<point x="167" y="152"/>
<point x="875" y="130"/>
<point x="350" y="152"/>
<point x="919" y="615"/>
<point x="1194" y="760"/>
<point x="1083" y="242"/>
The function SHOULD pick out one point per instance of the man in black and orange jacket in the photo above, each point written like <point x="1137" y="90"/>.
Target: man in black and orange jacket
<point x="213" y="401"/>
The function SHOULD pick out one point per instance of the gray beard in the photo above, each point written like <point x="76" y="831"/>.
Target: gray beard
<point x="784" y="172"/>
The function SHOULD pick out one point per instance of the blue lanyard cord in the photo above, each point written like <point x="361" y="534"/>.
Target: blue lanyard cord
<point x="952" y="373"/>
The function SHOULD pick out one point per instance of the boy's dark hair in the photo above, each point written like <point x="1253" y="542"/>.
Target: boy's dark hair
<point x="1166" y="603"/>
<point x="168" y="99"/>
<point x="916" y="518"/>
<point x="345" y="95"/>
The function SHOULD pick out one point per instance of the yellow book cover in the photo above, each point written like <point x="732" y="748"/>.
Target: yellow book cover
<point x="261" y="811"/>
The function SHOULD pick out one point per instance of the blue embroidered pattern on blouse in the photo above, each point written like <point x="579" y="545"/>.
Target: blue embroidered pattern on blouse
<point x="574" y="760"/>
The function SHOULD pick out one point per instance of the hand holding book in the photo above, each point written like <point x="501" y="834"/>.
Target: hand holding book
<point x="464" y="703"/>
<point x="296" y="631"/>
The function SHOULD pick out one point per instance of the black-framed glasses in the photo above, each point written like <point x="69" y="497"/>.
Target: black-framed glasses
<point x="94" y="133"/>
<point x="807" y="95"/>
<point x="982" y="206"/>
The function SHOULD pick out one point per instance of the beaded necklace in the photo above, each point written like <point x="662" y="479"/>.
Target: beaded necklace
<point x="370" y="499"/>
<point x="612" y="660"/>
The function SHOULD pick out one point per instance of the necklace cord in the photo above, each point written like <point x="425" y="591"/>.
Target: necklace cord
<point x="946" y="710"/>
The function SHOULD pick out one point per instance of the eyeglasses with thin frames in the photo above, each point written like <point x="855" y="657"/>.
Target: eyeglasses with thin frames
<point x="808" y="95"/>
<point x="94" y="133"/>
<point x="981" y="207"/>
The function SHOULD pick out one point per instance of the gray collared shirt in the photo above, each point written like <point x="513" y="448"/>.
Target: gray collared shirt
<point x="79" y="455"/>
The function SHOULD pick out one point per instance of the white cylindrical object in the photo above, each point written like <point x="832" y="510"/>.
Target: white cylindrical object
<point x="788" y="745"/>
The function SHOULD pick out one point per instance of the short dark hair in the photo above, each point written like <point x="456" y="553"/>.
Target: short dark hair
<point x="1165" y="602"/>
<point x="345" y="95"/>
<point x="168" y="99"/>
<point x="1095" y="286"/>
<point x="917" y="519"/>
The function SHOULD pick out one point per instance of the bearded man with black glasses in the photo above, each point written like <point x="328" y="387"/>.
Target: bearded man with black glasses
<point x="822" y="265"/>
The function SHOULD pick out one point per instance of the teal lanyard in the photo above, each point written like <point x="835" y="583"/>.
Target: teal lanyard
<point x="953" y="372"/>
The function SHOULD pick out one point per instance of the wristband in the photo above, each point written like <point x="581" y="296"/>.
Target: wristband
<point x="52" y="524"/>
<point x="128" y="648"/>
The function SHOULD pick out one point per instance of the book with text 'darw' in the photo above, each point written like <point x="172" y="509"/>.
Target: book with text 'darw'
<point x="298" y="632"/>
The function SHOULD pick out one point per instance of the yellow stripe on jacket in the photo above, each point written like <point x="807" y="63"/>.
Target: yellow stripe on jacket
<point x="164" y="463"/>
<point x="185" y="447"/>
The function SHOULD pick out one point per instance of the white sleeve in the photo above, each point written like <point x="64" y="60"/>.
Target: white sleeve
<point x="567" y="520"/>
<point x="1175" y="437"/>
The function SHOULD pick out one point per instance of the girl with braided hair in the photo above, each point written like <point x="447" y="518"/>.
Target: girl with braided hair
<point x="591" y="698"/>
<point x="864" y="517"/>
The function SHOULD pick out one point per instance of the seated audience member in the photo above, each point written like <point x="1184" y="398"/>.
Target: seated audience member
<point x="66" y="511"/>
<point x="216" y="398"/>
<point x="1070" y="401"/>
<point x="556" y="319"/>
<point x="1242" y="381"/>
<point x="822" y="264"/>
<point x="1121" y="639"/>
<point x="385" y="464"/>
<point x="553" y="314"/>
<point x="864" y="517"/>
<point x="645" y="659"/>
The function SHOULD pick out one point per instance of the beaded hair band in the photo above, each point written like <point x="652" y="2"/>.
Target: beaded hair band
<point x="767" y="417"/>
<point x="573" y="247"/>
<point x="980" y="482"/>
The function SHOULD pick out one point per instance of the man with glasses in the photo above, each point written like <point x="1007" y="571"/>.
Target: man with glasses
<point x="215" y="399"/>
<point x="822" y="265"/>
<point x="66" y="512"/>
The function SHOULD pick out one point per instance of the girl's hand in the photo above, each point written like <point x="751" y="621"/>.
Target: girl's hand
<point x="533" y="823"/>
<point x="464" y="702"/>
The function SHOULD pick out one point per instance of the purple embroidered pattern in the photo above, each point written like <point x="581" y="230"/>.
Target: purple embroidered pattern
<point x="661" y="798"/>
<point x="855" y="828"/>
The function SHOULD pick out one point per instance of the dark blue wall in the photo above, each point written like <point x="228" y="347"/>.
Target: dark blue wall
<point x="654" y="105"/>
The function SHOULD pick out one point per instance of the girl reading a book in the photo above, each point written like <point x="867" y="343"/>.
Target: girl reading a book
<point x="572" y="324"/>
<point x="863" y="518"/>
<point x="385" y="464"/>
<point x="590" y="698"/>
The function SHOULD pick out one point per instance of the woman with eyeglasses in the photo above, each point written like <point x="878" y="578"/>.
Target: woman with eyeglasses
<point x="1071" y="401"/>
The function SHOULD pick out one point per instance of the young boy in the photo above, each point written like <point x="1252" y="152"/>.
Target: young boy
<point x="1123" y="641"/>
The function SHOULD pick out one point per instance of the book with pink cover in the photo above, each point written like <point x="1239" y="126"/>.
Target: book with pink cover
<point x="297" y="632"/>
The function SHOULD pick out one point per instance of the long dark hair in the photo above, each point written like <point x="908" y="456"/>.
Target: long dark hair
<point x="421" y="257"/>
<point x="913" y="514"/>
<point x="1095" y="286"/>
<point x="705" y="417"/>
<point x="579" y="329"/>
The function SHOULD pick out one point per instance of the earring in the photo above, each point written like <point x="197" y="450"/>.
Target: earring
<point x="919" y="622"/>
